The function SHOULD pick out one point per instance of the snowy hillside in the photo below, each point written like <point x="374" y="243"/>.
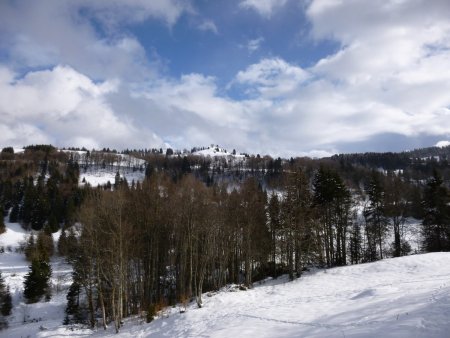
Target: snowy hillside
<point x="28" y="319"/>
<point x="99" y="168"/>
<point x="214" y="151"/>
<point x="401" y="297"/>
<point x="95" y="177"/>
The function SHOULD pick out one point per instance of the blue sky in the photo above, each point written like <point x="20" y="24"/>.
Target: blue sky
<point x="279" y="77"/>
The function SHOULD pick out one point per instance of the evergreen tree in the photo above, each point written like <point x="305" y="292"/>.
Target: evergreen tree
<point x="73" y="309"/>
<point x="436" y="223"/>
<point x="333" y="202"/>
<point x="29" y="199"/>
<point x="5" y="299"/>
<point x="2" y="220"/>
<point x="62" y="243"/>
<point x="355" y="245"/>
<point x="37" y="281"/>
<point x="376" y="221"/>
<point x="14" y="214"/>
<point x="6" y="303"/>
<point x="117" y="180"/>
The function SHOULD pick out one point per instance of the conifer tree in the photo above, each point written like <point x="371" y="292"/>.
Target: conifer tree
<point x="6" y="305"/>
<point x="73" y="308"/>
<point x="376" y="221"/>
<point x="14" y="214"/>
<point x="2" y="221"/>
<point x="62" y="243"/>
<point x="333" y="202"/>
<point x="5" y="298"/>
<point x="436" y="223"/>
<point x="37" y="281"/>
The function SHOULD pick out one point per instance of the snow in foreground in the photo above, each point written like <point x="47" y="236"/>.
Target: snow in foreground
<point x="401" y="297"/>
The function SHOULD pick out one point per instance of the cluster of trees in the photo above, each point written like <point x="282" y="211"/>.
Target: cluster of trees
<point x="166" y="240"/>
<point x="413" y="165"/>
<point x="50" y="199"/>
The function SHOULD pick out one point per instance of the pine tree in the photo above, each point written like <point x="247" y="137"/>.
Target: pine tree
<point x="333" y="202"/>
<point x="6" y="303"/>
<point x="62" y="243"/>
<point x="436" y="223"/>
<point x="5" y="299"/>
<point x="73" y="309"/>
<point x="2" y="221"/>
<point x="29" y="199"/>
<point x="355" y="245"/>
<point x="37" y="281"/>
<point x="14" y="214"/>
<point x="376" y="221"/>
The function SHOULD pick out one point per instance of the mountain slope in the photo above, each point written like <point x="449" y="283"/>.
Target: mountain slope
<point x="399" y="297"/>
<point x="402" y="297"/>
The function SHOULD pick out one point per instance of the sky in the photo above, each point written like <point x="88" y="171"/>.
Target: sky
<point x="279" y="77"/>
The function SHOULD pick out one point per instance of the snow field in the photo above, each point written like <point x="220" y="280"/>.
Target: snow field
<point x="27" y="320"/>
<point x="402" y="297"/>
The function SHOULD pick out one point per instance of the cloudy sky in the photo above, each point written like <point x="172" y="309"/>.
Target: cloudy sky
<point x="280" y="77"/>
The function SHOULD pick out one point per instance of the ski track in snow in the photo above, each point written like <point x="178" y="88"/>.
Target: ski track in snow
<point x="401" y="297"/>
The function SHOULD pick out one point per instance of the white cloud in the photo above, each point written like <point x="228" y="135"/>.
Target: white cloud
<point x="272" y="77"/>
<point x="389" y="75"/>
<point x="264" y="7"/>
<point x="71" y="38"/>
<point x="254" y="45"/>
<point x="208" y="25"/>
<point x="64" y="107"/>
<point x="391" y="72"/>
<point x="197" y="95"/>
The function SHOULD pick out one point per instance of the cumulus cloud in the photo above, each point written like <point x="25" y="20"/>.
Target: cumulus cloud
<point x="272" y="77"/>
<point x="264" y="7"/>
<point x="64" y="107"/>
<point x="71" y="38"/>
<point x="388" y="76"/>
<point x="393" y="67"/>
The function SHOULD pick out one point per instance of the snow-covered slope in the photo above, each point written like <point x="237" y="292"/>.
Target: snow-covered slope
<point x="28" y="320"/>
<point x="216" y="151"/>
<point x="398" y="297"/>
<point x="402" y="297"/>
<point x="97" y="176"/>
